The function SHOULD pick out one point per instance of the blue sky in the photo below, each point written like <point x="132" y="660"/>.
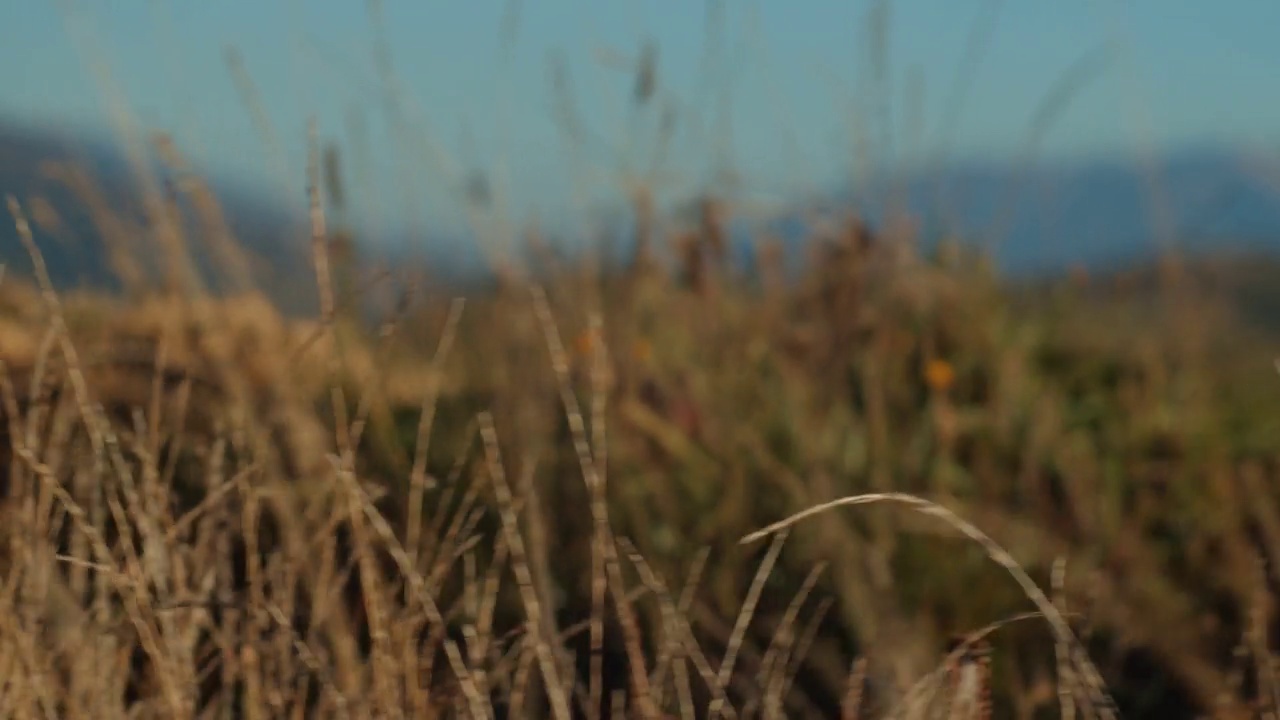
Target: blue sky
<point x="475" y="93"/>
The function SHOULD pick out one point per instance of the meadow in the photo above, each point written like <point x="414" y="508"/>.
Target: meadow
<point x="572" y="492"/>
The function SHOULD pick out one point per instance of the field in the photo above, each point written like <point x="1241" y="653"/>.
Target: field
<point x="556" y="495"/>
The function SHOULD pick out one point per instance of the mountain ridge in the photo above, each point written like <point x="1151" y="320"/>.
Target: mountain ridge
<point x="1047" y="217"/>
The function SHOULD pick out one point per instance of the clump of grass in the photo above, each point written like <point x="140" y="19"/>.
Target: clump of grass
<point x="479" y="509"/>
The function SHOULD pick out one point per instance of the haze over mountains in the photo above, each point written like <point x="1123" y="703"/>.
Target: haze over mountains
<point x="1046" y="218"/>
<point x="1102" y="212"/>
<point x="64" y="179"/>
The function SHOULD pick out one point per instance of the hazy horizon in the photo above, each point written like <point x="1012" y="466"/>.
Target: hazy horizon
<point x="782" y="93"/>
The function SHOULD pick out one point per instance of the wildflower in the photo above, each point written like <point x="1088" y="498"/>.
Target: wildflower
<point x="584" y="344"/>
<point x="939" y="375"/>
<point x="642" y="350"/>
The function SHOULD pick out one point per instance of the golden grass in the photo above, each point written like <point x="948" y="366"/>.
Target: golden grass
<point x="211" y="510"/>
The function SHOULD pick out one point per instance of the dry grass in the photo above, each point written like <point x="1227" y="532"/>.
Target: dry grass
<point x="211" y="510"/>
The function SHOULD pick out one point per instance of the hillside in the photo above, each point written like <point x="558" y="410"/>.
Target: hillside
<point x="1099" y="212"/>
<point x="1042" y="219"/>
<point x="89" y="215"/>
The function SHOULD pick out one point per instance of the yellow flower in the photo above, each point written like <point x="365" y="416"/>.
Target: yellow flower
<point x="939" y="375"/>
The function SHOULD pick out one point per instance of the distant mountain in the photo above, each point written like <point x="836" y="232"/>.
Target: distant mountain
<point x="276" y="237"/>
<point x="33" y="167"/>
<point x="1095" y="214"/>
<point x="1098" y="213"/>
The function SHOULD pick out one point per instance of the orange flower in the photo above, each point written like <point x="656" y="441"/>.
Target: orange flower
<point x="642" y="350"/>
<point x="584" y="344"/>
<point x="939" y="375"/>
